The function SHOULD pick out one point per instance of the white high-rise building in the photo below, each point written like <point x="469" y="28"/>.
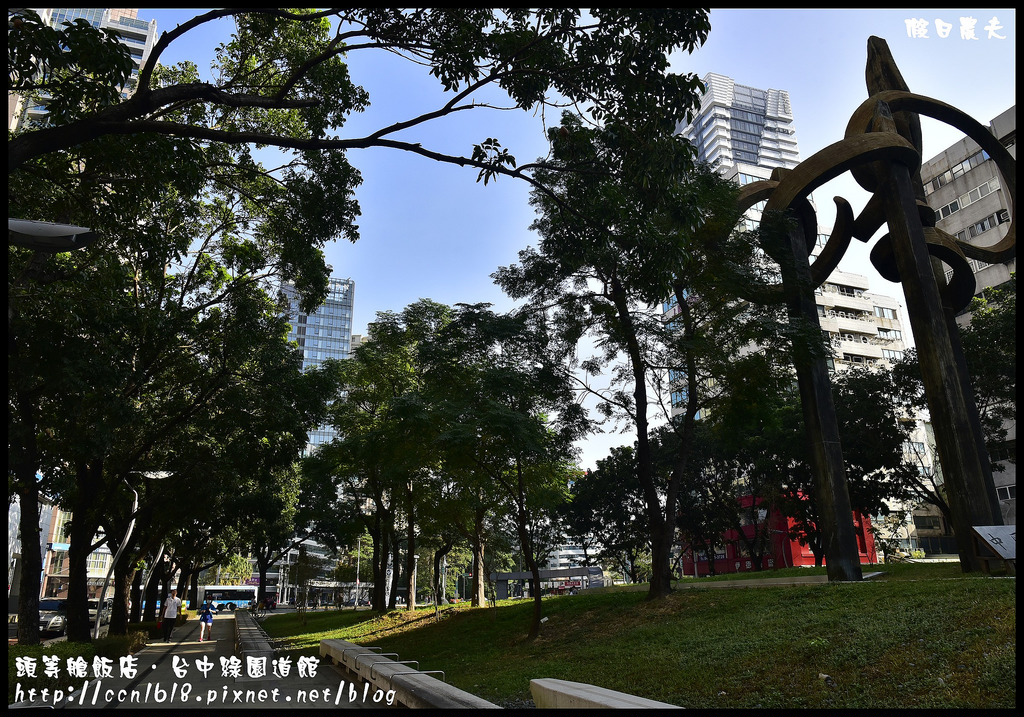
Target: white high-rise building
<point x="139" y="36"/>
<point x="740" y="124"/>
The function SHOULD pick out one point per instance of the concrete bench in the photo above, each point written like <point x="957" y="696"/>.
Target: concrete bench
<point x="562" y="694"/>
<point x="250" y="640"/>
<point x="413" y="688"/>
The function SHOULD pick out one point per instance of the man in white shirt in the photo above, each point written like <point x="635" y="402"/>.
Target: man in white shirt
<point x="170" y="610"/>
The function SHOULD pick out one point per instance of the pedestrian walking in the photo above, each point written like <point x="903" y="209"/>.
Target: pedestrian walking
<point x="170" y="611"/>
<point x="206" y="611"/>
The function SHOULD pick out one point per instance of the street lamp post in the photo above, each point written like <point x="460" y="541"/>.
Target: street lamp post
<point x="120" y="549"/>
<point x="152" y="569"/>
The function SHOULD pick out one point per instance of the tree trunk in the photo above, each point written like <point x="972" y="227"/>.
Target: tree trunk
<point x="478" y="598"/>
<point x="31" y="557"/>
<point x="193" y="588"/>
<point x="438" y="557"/>
<point x="152" y="592"/>
<point x="261" y="591"/>
<point x="661" y="583"/>
<point x="83" y="528"/>
<point x="661" y="562"/>
<point x="396" y="578"/>
<point x="526" y="544"/>
<point x="135" y="599"/>
<point x="26" y="463"/>
<point x="535" y="589"/>
<point x="124" y="574"/>
<point x="184" y="578"/>
<point x="381" y="549"/>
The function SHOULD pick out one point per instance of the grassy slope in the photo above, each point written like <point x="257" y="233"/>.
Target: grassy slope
<point x="921" y="637"/>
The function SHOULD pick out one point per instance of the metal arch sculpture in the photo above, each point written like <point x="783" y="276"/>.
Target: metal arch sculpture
<point x="883" y="152"/>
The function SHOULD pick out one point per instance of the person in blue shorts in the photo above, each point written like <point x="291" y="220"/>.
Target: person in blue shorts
<point x="206" y="611"/>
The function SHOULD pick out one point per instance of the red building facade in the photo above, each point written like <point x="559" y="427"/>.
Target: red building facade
<point x="732" y="556"/>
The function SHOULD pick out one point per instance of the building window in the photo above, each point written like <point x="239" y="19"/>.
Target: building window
<point x="1006" y="492"/>
<point x="849" y="290"/>
<point x="884" y="313"/>
<point x="98" y="562"/>
<point x="950" y="174"/>
<point x="966" y="199"/>
<point x="927" y="522"/>
<point x="914" y="448"/>
<point x="1006" y="451"/>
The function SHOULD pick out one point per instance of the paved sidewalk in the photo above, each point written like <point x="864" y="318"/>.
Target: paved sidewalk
<point x="168" y="676"/>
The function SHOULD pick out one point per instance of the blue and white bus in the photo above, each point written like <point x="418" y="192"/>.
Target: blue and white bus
<point x="228" y="597"/>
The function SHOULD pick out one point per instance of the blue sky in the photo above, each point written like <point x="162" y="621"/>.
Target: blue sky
<point x="431" y="231"/>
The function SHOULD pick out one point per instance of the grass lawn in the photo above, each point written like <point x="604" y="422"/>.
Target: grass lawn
<point x="922" y="636"/>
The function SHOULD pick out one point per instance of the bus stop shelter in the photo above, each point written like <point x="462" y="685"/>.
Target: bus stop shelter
<point x="594" y="575"/>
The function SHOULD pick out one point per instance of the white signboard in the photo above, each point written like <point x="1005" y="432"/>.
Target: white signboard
<point x="1000" y="539"/>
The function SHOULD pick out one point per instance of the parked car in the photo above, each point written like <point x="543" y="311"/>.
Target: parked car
<point x="104" y="611"/>
<point x="53" y="614"/>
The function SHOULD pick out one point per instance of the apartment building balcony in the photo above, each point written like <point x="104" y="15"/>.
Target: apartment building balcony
<point x="830" y="296"/>
<point x="849" y="324"/>
<point x="862" y="346"/>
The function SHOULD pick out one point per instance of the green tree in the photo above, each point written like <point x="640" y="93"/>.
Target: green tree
<point x="992" y="358"/>
<point x="162" y="317"/>
<point x="639" y="244"/>
<point x="991" y="361"/>
<point x="105" y="162"/>
<point x="282" y="79"/>
<point x="385" y="450"/>
<point x="752" y="449"/>
<point x="759" y="431"/>
<point x="236" y="570"/>
<point x="511" y="413"/>
<point x="606" y="513"/>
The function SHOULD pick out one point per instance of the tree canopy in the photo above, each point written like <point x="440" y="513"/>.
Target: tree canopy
<point x="282" y="79"/>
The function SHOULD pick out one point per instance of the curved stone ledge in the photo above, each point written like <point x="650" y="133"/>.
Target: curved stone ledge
<point x="562" y="694"/>
<point x="413" y="687"/>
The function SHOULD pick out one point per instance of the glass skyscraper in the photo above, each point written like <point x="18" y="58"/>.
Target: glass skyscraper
<point x="323" y="334"/>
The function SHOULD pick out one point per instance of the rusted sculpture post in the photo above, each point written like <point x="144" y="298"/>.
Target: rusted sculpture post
<point x="831" y="491"/>
<point x="965" y="464"/>
<point x="788" y="190"/>
<point x="882" y="149"/>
